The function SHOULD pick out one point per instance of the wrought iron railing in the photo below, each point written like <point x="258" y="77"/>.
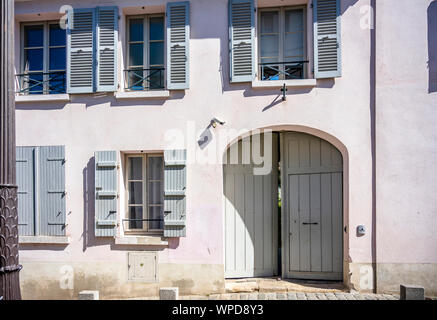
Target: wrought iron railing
<point x="137" y="224"/>
<point x="144" y="79"/>
<point x="42" y="82"/>
<point x="282" y="70"/>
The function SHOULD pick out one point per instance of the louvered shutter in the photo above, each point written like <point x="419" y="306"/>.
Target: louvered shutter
<point x="105" y="193"/>
<point x="80" y="51"/>
<point x="178" y="39"/>
<point x="241" y="43"/>
<point x="26" y="190"/>
<point x="107" y="38"/>
<point x="327" y="39"/>
<point x="51" y="190"/>
<point x="174" y="193"/>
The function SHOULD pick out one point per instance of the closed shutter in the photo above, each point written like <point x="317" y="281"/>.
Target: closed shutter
<point x="241" y="43"/>
<point x="327" y="36"/>
<point x="26" y="190"/>
<point x="51" y="190"/>
<point x="80" y="51"/>
<point x="174" y="193"/>
<point x="105" y="193"/>
<point x="107" y="38"/>
<point x="178" y="39"/>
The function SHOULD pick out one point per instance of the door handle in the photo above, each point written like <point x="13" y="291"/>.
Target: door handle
<point x="307" y="223"/>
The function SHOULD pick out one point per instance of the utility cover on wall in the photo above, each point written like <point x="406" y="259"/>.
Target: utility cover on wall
<point x="143" y="266"/>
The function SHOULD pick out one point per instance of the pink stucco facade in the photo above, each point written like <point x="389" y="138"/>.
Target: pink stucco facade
<point x="382" y="97"/>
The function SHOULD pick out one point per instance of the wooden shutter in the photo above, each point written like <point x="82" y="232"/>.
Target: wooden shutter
<point x="174" y="193"/>
<point x="241" y="43"/>
<point x="80" y="51"/>
<point x="327" y="39"/>
<point x="105" y="193"/>
<point x="178" y="39"/>
<point x="51" y="190"/>
<point x="26" y="190"/>
<point x="107" y="38"/>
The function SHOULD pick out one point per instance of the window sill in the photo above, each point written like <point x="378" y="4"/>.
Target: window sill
<point x="280" y="83"/>
<point x="158" y="94"/>
<point x="43" y="240"/>
<point x="43" y="98"/>
<point x="141" y="241"/>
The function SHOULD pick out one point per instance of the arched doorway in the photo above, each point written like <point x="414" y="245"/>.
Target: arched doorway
<point x="300" y="236"/>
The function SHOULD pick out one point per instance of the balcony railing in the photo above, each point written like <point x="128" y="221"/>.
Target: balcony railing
<point x="144" y="79"/>
<point x="283" y="70"/>
<point x="42" y="83"/>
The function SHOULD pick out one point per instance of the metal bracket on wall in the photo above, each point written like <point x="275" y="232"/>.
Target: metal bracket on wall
<point x="284" y="92"/>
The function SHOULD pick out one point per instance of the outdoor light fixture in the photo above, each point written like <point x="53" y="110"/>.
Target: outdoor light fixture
<point x="214" y="122"/>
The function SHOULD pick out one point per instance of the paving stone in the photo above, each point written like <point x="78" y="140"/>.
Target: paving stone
<point x="301" y="296"/>
<point x="370" y="297"/>
<point x="390" y="297"/>
<point x="381" y="297"/>
<point x="291" y="296"/>
<point x="270" y="296"/>
<point x="358" y="296"/>
<point x="244" y="296"/>
<point x="311" y="296"/>
<point x="340" y="296"/>
<point x="262" y="296"/>
<point x="281" y="296"/>
<point x="214" y="297"/>
<point x="321" y="296"/>
<point x="331" y="296"/>
<point x="252" y="296"/>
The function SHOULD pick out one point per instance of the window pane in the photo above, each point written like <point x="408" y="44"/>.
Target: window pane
<point x="294" y="20"/>
<point x="33" y="59"/>
<point x="57" y="59"/>
<point x="270" y="46"/>
<point x="156" y="78"/>
<point x="135" y="192"/>
<point x="293" y="46"/>
<point x="270" y="72"/>
<point x="136" y="30"/>
<point x="34" y="36"/>
<point x="33" y="83"/>
<point x="57" y="82"/>
<point x="136" y="54"/>
<point x="155" y="168"/>
<point x="135" y="213"/>
<point x="294" y="71"/>
<point x="155" y="192"/>
<point x="270" y="22"/>
<point x="156" y="53"/>
<point x="135" y="80"/>
<point x="57" y="36"/>
<point x="156" y="213"/>
<point x="135" y="168"/>
<point x="156" y="28"/>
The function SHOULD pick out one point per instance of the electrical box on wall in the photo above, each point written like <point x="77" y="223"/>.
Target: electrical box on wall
<point x="143" y="266"/>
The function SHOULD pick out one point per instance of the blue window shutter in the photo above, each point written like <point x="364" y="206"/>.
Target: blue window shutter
<point x="105" y="193"/>
<point x="80" y="50"/>
<point x="51" y="190"/>
<point x="175" y="180"/>
<point x="107" y="39"/>
<point x="241" y="40"/>
<point x="25" y="166"/>
<point x="178" y="45"/>
<point x="327" y="39"/>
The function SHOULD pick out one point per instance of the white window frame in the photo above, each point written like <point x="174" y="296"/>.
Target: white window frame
<point x="145" y="183"/>
<point x="281" y="11"/>
<point x="46" y="52"/>
<point x="146" y="45"/>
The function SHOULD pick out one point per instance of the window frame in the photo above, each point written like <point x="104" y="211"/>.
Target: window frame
<point x="146" y="47"/>
<point x="145" y="185"/>
<point x="281" y="10"/>
<point x="46" y="54"/>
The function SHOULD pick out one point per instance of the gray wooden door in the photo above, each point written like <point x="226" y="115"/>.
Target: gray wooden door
<point x="251" y="219"/>
<point x="312" y="189"/>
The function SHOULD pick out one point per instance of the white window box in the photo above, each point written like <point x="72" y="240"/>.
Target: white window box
<point x="43" y="98"/>
<point x="280" y="83"/>
<point x="141" y="240"/>
<point x="152" y="94"/>
<point x="43" y="240"/>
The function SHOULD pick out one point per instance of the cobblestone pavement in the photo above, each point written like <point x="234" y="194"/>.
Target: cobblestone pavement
<point x="293" y="296"/>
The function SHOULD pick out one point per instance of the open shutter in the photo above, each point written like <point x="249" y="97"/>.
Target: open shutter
<point x="80" y="51"/>
<point x="241" y="43"/>
<point x="25" y="166"/>
<point x="107" y="38"/>
<point x="327" y="39"/>
<point x="105" y="193"/>
<point x="174" y="193"/>
<point x="178" y="39"/>
<point x="51" y="190"/>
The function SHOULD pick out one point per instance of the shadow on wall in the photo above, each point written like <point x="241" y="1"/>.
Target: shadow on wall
<point x="432" y="46"/>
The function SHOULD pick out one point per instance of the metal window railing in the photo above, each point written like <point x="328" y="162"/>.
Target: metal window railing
<point x="137" y="224"/>
<point x="144" y="79"/>
<point x="42" y="82"/>
<point x="282" y="70"/>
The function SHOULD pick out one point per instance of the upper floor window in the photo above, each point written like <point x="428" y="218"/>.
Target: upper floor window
<point x="282" y="42"/>
<point x="145" y="53"/>
<point x="43" y="59"/>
